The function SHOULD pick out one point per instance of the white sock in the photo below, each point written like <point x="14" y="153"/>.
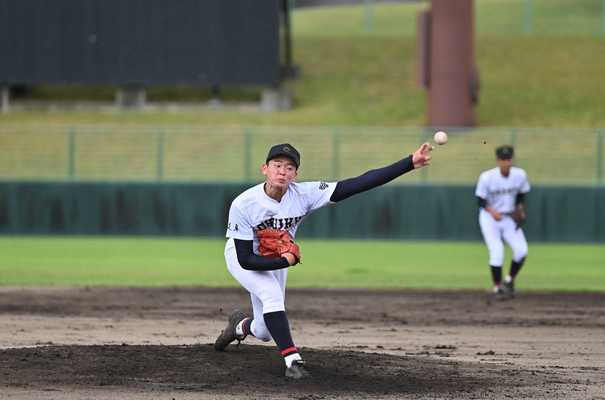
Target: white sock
<point x="290" y="358"/>
<point x="239" y="329"/>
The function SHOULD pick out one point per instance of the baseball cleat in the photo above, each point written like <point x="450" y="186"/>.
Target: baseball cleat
<point x="228" y="335"/>
<point x="509" y="288"/>
<point x="499" y="293"/>
<point x="498" y="290"/>
<point x="297" y="370"/>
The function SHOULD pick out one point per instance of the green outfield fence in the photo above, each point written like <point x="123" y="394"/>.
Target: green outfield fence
<point x="556" y="213"/>
<point x="234" y="154"/>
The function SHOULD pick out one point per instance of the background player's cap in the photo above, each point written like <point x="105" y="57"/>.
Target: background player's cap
<point x="505" y="152"/>
<point x="286" y="150"/>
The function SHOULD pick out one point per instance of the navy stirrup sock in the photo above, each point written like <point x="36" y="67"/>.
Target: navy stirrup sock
<point x="496" y="275"/>
<point x="278" y="326"/>
<point x="515" y="267"/>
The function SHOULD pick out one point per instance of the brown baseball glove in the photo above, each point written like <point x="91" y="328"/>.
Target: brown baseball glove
<point x="275" y="242"/>
<point x="519" y="215"/>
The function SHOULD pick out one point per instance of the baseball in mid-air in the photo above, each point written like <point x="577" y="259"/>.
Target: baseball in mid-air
<point x="440" y="137"/>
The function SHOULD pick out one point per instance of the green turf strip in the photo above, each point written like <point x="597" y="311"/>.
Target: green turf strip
<point x="63" y="261"/>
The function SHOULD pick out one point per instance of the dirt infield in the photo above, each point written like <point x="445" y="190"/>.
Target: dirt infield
<point x="111" y="343"/>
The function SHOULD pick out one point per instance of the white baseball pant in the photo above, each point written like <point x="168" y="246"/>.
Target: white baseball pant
<point x="494" y="232"/>
<point x="267" y="290"/>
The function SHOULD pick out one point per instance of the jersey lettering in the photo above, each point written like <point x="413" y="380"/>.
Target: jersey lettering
<point x="279" y="223"/>
<point x="497" y="192"/>
<point x="500" y="191"/>
<point x="254" y="210"/>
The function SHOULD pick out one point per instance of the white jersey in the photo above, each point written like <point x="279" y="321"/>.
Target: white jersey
<point x="254" y="210"/>
<point x="500" y="191"/>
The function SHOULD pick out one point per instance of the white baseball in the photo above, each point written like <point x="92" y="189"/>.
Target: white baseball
<point x="440" y="137"/>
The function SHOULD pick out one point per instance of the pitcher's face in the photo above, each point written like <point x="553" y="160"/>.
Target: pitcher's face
<point x="280" y="172"/>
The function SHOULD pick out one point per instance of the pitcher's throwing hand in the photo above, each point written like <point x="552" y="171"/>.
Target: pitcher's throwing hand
<point x="422" y="156"/>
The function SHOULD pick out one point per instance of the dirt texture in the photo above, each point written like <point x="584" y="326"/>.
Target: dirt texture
<point x="132" y="343"/>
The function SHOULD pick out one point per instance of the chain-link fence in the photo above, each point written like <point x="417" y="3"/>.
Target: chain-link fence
<point x="112" y="153"/>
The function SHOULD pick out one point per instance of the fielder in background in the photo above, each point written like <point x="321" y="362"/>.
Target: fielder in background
<point x="262" y="224"/>
<point x="501" y="195"/>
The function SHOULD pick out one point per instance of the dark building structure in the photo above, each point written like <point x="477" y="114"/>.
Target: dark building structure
<point x="141" y="43"/>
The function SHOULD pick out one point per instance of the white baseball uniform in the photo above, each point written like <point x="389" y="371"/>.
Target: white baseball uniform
<point x="500" y="192"/>
<point x="254" y="210"/>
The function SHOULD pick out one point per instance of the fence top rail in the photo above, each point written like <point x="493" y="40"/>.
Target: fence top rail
<point x="343" y="130"/>
<point x="139" y="125"/>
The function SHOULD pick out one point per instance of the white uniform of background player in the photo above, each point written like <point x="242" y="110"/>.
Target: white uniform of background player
<point x="500" y="191"/>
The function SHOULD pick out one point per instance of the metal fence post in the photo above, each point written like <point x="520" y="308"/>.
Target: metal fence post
<point x="4" y="99"/>
<point x="425" y="136"/>
<point x="528" y="16"/>
<point x="71" y="155"/>
<point x="291" y="7"/>
<point x="247" y="154"/>
<point x="512" y="139"/>
<point x="603" y="17"/>
<point x="159" y="155"/>
<point x="335" y="153"/>
<point x="599" y="156"/>
<point x="368" y="15"/>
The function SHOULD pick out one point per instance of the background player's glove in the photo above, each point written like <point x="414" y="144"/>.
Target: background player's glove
<point x="275" y="242"/>
<point x="519" y="215"/>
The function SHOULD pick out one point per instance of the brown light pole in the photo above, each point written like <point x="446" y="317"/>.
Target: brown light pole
<point x="447" y="62"/>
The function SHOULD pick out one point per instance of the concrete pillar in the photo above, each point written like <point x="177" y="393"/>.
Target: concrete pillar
<point x="4" y="99"/>
<point x="132" y="97"/>
<point x="453" y="86"/>
<point x="215" y="99"/>
<point x="276" y="99"/>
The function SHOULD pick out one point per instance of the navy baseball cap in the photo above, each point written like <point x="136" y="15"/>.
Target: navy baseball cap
<point x="285" y="150"/>
<point x="505" y="152"/>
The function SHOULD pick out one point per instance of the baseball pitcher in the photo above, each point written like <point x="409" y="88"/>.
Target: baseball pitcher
<point x="260" y="241"/>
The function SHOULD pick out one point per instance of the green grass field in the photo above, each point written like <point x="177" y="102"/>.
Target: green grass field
<point x="63" y="261"/>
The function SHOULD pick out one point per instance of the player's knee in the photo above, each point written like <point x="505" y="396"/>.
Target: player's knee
<point x="265" y="336"/>
<point x="496" y="257"/>
<point x="520" y="252"/>
<point x="272" y="301"/>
